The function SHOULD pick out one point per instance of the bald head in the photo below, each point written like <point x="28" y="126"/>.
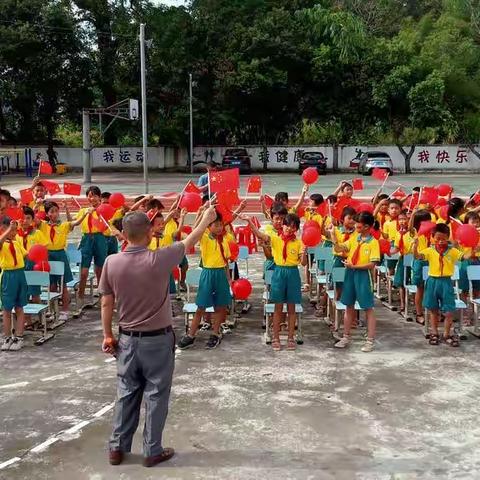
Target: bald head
<point x="136" y="227"/>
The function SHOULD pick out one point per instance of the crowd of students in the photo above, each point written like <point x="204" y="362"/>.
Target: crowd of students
<point x="352" y="230"/>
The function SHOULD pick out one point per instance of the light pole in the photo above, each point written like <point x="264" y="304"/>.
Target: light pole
<point x="191" y="123"/>
<point x="144" y="106"/>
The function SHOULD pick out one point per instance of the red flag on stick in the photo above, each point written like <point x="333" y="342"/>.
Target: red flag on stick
<point x="190" y="187"/>
<point x="357" y="184"/>
<point x="72" y="188"/>
<point x="52" y="187"/>
<point x="228" y="198"/>
<point x="398" y="193"/>
<point x="268" y="201"/>
<point x="254" y="184"/>
<point x="44" y="168"/>
<point x="224" y="180"/>
<point x="380" y="174"/>
<point x="26" y="196"/>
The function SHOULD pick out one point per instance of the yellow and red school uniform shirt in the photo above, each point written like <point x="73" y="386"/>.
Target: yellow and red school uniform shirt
<point x="342" y="236"/>
<point x="441" y="265"/>
<point x="31" y="237"/>
<point x="56" y="234"/>
<point x="88" y="224"/>
<point x="37" y="207"/>
<point x="316" y="217"/>
<point x="390" y="229"/>
<point x="270" y="230"/>
<point x="404" y="242"/>
<point x="289" y="256"/>
<point x="158" y="242"/>
<point x="170" y="228"/>
<point x="362" y="251"/>
<point x="214" y="251"/>
<point x="12" y="255"/>
<point x="382" y="219"/>
<point x="116" y="216"/>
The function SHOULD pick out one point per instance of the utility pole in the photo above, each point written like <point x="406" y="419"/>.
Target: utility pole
<point x="191" y="123"/>
<point x="86" y="158"/>
<point x="144" y="106"/>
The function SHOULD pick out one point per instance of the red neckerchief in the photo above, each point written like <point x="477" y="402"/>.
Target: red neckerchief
<point x="90" y="222"/>
<point x="24" y="234"/>
<point x="383" y="219"/>
<point x="401" y="243"/>
<point x="286" y="239"/>
<point x="124" y="246"/>
<point x="52" y="232"/>
<point x="11" y="246"/>
<point x="441" y="252"/>
<point x="219" y="239"/>
<point x="356" y="253"/>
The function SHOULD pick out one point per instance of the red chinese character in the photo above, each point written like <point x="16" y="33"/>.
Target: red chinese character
<point x="461" y="156"/>
<point x="443" y="156"/>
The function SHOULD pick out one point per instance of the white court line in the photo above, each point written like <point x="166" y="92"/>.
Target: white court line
<point x="55" y="377"/>
<point x="109" y="360"/>
<point x="104" y="410"/>
<point x="87" y="369"/>
<point x="18" y="384"/>
<point x="43" y="446"/>
<point x="9" y="462"/>
<point x="77" y="427"/>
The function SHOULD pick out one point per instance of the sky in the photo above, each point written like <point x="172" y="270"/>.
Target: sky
<point x="171" y="2"/>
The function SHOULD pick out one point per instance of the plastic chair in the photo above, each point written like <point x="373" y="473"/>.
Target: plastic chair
<point x="338" y="276"/>
<point x="243" y="254"/>
<point x="52" y="298"/>
<point x="246" y="237"/>
<point x="75" y="259"/>
<point x="410" y="289"/>
<point x="389" y="278"/>
<point x="192" y="280"/>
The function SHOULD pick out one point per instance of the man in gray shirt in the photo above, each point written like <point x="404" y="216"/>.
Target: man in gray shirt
<point x="137" y="282"/>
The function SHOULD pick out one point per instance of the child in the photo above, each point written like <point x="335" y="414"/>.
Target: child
<point x="28" y="235"/>
<point x="214" y="285"/>
<point x="439" y="290"/>
<point x="403" y="246"/>
<point x="381" y="210"/>
<point x="93" y="244"/>
<point x="363" y="252"/>
<point x="14" y="289"/>
<point x="278" y="212"/>
<point x="39" y="192"/>
<point x="288" y="253"/>
<point x="417" y="266"/>
<point x="57" y="233"/>
<point x="4" y="196"/>
<point x="112" y="243"/>
<point x="390" y="228"/>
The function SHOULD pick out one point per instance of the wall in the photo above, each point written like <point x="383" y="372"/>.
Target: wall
<point x="425" y="157"/>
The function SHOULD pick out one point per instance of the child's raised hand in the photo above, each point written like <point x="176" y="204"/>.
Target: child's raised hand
<point x="183" y="212"/>
<point x="242" y="205"/>
<point x="245" y="218"/>
<point x="305" y="188"/>
<point x="13" y="224"/>
<point x="210" y="214"/>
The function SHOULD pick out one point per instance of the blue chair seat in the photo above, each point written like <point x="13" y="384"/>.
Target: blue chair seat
<point x="34" y="308"/>
<point x="44" y="297"/>
<point x="321" y="279"/>
<point x="460" y="304"/>
<point x="412" y="289"/>
<point x="270" y="308"/>
<point x="192" y="308"/>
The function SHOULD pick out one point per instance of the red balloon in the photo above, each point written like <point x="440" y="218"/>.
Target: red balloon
<point x="426" y="227"/>
<point x="384" y="246"/>
<point x="311" y="237"/>
<point x="187" y="229"/>
<point x="234" y="250"/>
<point x="191" y="202"/>
<point x="443" y="212"/>
<point x="106" y="211"/>
<point x="241" y="289"/>
<point x="38" y="253"/>
<point x="444" y="189"/>
<point x="311" y="224"/>
<point x="467" y="236"/>
<point x="117" y="200"/>
<point x="41" y="267"/>
<point x="176" y="273"/>
<point x="365" y="207"/>
<point x="310" y="175"/>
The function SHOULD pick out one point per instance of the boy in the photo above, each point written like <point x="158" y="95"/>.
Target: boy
<point x="39" y="192"/>
<point x="381" y="209"/>
<point x="288" y="253"/>
<point x="390" y="228"/>
<point x="93" y="244"/>
<point x="214" y="285"/>
<point x="4" y="197"/>
<point x="439" y="291"/>
<point x="14" y="289"/>
<point x="363" y="252"/>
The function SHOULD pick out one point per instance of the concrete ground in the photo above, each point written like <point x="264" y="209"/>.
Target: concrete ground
<point x="405" y="411"/>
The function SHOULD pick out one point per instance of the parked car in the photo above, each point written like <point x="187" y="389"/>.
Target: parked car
<point x="313" y="159"/>
<point x="370" y="160"/>
<point x="237" y="158"/>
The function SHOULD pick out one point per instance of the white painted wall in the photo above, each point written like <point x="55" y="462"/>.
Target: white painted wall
<point x="425" y="157"/>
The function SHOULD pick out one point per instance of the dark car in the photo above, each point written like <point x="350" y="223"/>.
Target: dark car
<point x="237" y="158"/>
<point x="313" y="159"/>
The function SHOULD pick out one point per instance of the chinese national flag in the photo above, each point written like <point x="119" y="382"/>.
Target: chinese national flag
<point x="190" y="187"/>
<point x="254" y="184"/>
<point x="72" y="188"/>
<point x="224" y="180"/>
<point x="44" y="168"/>
<point x="357" y="184"/>
<point x="226" y="213"/>
<point x="52" y="187"/>
<point x="398" y="193"/>
<point x="268" y="201"/>
<point x="14" y="213"/>
<point x="228" y="198"/>
<point x="26" y="196"/>
<point x="380" y="174"/>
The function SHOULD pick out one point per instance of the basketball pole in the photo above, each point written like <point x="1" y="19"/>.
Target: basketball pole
<point x="144" y="106"/>
<point x="191" y="123"/>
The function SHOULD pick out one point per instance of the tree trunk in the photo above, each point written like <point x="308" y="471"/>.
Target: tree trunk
<point x="52" y="155"/>
<point x="335" y="158"/>
<point x="472" y="148"/>
<point x="407" y="156"/>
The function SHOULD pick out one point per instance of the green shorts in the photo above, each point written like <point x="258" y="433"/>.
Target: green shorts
<point x="93" y="246"/>
<point x="286" y="285"/>
<point x="338" y="263"/>
<point x="268" y="265"/>
<point x="112" y="245"/>
<point x="463" y="283"/>
<point x="213" y="289"/>
<point x="399" y="277"/>
<point x="391" y="264"/>
<point x="439" y="294"/>
<point x="60" y="256"/>
<point x="14" y="289"/>
<point x="358" y="287"/>
<point x="417" y="272"/>
<point x="36" y="290"/>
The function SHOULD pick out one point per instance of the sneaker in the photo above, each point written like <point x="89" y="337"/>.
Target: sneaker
<point x="225" y="329"/>
<point x="186" y="342"/>
<point x="213" y="342"/>
<point x="6" y="344"/>
<point x="368" y="345"/>
<point x="205" y="327"/>
<point x="182" y="287"/>
<point x="343" y="342"/>
<point x="17" y="344"/>
<point x="78" y="307"/>
<point x="63" y="316"/>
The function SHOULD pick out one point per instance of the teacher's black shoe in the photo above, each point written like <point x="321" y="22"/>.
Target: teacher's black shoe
<point x="115" y="457"/>
<point x="213" y="342"/>
<point x="167" y="454"/>
<point x="186" y="342"/>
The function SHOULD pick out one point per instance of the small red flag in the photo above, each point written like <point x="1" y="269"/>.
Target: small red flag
<point x="72" y="188"/>
<point x="14" y="213"/>
<point x="26" y="196"/>
<point x="228" y="198"/>
<point x="226" y="213"/>
<point x="44" y="168"/>
<point x="268" y="200"/>
<point x="398" y="193"/>
<point x="254" y="184"/>
<point x="256" y="222"/>
<point x="224" y="180"/>
<point x="190" y="187"/>
<point x="52" y="187"/>
<point x="380" y="174"/>
<point x="357" y="184"/>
